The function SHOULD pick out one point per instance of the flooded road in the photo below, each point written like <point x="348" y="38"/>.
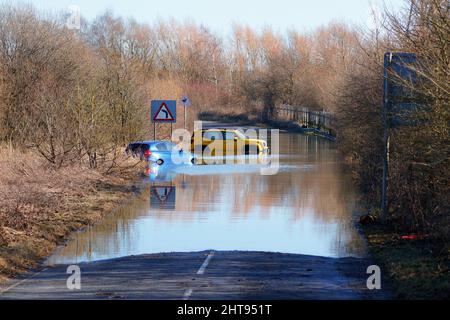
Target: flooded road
<point x="306" y="208"/>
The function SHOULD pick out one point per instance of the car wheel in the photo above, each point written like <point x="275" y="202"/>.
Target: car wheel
<point x="194" y="161"/>
<point x="160" y="161"/>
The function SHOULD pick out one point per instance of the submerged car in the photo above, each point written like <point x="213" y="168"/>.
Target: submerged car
<point x="234" y="142"/>
<point x="160" y="152"/>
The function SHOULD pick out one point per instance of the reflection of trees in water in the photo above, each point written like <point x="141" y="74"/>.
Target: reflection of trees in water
<point x="316" y="185"/>
<point x="321" y="188"/>
<point x="114" y="233"/>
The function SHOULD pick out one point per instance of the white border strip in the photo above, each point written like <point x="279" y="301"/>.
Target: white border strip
<point x="205" y="263"/>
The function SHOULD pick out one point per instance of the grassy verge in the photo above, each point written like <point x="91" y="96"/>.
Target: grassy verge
<point x="415" y="268"/>
<point x="40" y="206"/>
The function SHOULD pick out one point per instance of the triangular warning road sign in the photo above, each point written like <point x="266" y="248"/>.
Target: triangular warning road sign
<point x="163" y="113"/>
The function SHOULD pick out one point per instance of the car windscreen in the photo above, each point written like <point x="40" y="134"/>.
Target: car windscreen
<point x="213" y="135"/>
<point x="240" y="134"/>
<point x="230" y="135"/>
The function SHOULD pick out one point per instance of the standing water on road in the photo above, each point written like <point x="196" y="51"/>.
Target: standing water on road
<point x="306" y="208"/>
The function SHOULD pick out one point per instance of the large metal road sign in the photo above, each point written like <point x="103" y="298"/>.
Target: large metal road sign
<point x="164" y="111"/>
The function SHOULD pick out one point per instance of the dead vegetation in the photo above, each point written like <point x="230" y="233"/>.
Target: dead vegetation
<point x="418" y="154"/>
<point x="40" y="205"/>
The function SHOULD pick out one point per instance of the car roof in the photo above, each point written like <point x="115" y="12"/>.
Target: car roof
<point x="151" y="142"/>
<point x="219" y="129"/>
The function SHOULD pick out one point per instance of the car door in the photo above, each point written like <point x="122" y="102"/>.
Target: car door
<point x="230" y="143"/>
<point x="212" y="140"/>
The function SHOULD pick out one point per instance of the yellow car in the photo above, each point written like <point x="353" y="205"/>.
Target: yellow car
<point x="226" y="142"/>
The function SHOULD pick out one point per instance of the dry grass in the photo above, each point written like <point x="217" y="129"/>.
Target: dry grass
<point x="40" y="206"/>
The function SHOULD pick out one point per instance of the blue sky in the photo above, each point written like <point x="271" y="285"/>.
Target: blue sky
<point x="302" y="15"/>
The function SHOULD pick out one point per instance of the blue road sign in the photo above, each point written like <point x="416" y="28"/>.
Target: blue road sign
<point x="185" y="101"/>
<point x="163" y="197"/>
<point x="400" y="76"/>
<point x="400" y="104"/>
<point x="164" y="111"/>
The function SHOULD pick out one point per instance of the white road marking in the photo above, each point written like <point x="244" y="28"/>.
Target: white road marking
<point x="20" y="282"/>
<point x="188" y="292"/>
<point x="205" y="263"/>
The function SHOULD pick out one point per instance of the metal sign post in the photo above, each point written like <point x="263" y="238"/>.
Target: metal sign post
<point x="384" y="183"/>
<point x="399" y="106"/>
<point x="186" y="103"/>
<point x="163" y="111"/>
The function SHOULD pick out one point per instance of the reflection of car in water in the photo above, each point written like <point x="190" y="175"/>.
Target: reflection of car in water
<point x="162" y="188"/>
<point x="232" y="139"/>
<point x="160" y="152"/>
<point x="157" y="173"/>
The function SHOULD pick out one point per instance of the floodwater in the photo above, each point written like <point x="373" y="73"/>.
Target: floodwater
<point x="305" y="208"/>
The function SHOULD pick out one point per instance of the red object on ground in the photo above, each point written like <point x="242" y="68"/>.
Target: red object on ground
<point x="413" y="237"/>
<point x="147" y="153"/>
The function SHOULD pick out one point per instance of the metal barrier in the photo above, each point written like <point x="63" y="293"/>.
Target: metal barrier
<point x="306" y="118"/>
